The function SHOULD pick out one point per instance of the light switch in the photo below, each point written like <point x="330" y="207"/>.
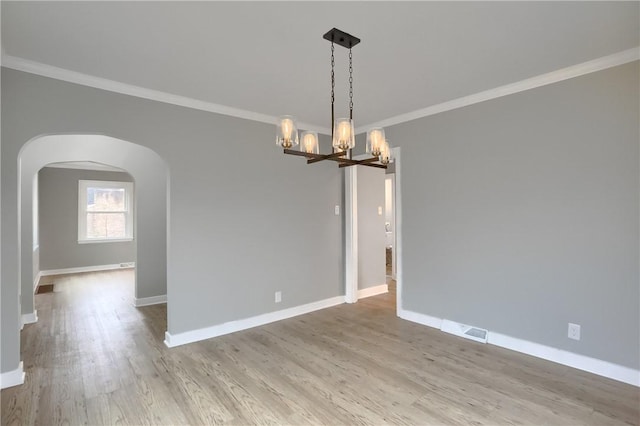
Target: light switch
<point x="337" y="210"/>
<point x="379" y="210"/>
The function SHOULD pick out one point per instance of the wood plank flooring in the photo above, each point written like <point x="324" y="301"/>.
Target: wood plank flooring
<point x="92" y="358"/>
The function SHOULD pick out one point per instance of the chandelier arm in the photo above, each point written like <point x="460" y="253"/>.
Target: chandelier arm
<point x="313" y="158"/>
<point x="346" y="162"/>
<point x="349" y="163"/>
<point x="337" y="157"/>
<point x="325" y="157"/>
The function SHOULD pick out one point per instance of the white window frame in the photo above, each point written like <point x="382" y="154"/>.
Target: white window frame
<point x="83" y="185"/>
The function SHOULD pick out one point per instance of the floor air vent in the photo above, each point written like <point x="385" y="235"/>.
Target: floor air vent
<point x="466" y="331"/>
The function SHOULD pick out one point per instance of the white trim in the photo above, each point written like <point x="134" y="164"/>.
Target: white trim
<point x="36" y="281"/>
<point x="147" y="301"/>
<point x="599" y="64"/>
<point x="560" y="356"/>
<point x="172" y="340"/>
<point x="12" y="378"/>
<point x="81" y="269"/>
<point x="423" y="319"/>
<point x="110" y="240"/>
<point x="581" y="362"/>
<point x="577" y="70"/>
<point x="373" y="291"/>
<point x="30" y="318"/>
<point x="50" y="71"/>
<point x="397" y="250"/>
<point x="351" y="234"/>
<point x="86" y="165"/>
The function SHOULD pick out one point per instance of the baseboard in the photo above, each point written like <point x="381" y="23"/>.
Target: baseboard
<point x="172" y="340"/>
<point x="420" y="318"/>
<point x="12" y="378"/>
<point x="560" y="356"/>
<point x="153" y="300"/>
<point x="373" y="291"/>
<point x="95" y="268"/>
<point x="36" y="282"/>
<point x="571" y="359"/>
<point x="30" y="318"/>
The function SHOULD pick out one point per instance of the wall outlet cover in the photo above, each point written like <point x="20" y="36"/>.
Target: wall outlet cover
<point x="574" y="331"/>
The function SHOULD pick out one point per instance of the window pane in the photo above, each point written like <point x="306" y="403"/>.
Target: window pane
<point x="105" y="199"/>
<point x="106" y="225"/>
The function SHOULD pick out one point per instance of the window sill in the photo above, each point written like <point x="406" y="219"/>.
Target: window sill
<point x="111" y="240"/>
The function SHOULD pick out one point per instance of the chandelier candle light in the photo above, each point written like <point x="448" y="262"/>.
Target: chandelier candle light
<point x="342" y="129"/>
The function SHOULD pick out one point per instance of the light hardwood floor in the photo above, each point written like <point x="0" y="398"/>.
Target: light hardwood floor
<point x="93" y="358"/>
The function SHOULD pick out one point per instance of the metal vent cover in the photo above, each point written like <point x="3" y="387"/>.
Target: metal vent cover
<point x="467" y="331"/>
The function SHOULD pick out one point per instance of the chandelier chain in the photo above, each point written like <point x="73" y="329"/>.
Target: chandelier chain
<point x="350" y="85"/>
<point x="333" y="87"/>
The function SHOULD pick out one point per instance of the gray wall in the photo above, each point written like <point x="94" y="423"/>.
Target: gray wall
<point x="520" y="214"/>
<point x="371" y="233"/>
<point x="58" y="200"/>
<point x="244" y="219"/>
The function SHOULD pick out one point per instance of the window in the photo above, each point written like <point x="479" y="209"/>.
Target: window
<point x="105" y="211"/>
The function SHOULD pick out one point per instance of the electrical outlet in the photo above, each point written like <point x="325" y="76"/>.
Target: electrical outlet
<point x="278" y="296"/>
<point x="336" y="210"/>
<point x="574" y="331"/>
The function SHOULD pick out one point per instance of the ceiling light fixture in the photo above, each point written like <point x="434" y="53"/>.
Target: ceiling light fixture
<point x="342" y="129"/>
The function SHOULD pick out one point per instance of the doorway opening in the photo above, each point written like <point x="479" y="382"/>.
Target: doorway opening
<point x="389" y="228"/>
<point x="150" y="174"/>
<point x="373" y="229"/>
<point x="83" y="220"/>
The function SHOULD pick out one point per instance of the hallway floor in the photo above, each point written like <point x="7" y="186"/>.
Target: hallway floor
<point x="92" y="358"/>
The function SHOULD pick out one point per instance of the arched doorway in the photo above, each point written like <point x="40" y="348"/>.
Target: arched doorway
<point x="151" y="175"/>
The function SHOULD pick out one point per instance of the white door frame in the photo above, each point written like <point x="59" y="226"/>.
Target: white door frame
<point x="351" y="231"/>
<point x="392" y="177"/>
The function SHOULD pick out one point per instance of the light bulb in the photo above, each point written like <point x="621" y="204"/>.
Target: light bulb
<point x="344" y="131"/>
<point x="287" y="135"/>
<point x="375" y="140"/>
<point x="386" y="153"/>
<point x="287" y="127"/>
<point x="309" y="142"/>
<point x="343" y="137"/>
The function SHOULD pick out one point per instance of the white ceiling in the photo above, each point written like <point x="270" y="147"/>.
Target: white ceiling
<point x="270" y="58"/>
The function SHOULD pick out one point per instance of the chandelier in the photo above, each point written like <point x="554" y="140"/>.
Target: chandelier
<point x="342" y="129"/>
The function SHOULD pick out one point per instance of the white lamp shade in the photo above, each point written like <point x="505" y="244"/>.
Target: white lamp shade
<point x="309" y="142"/>
<point x="375" y="141"/>
<point x="344" y="136"/>
<point x="286" y="132"/>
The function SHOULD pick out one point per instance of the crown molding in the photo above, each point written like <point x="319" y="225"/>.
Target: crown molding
<point x="32" y="67"/>
<point x="599" y="64"/>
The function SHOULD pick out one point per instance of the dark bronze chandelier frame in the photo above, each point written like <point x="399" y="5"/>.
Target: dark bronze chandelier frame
<point x="343" y="158"/>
